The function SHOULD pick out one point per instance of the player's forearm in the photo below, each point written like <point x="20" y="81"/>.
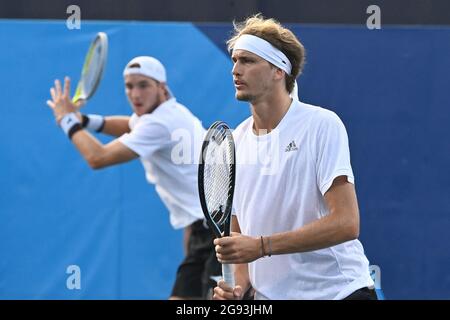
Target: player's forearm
<point x="241" y="276"/>
<point x="340" y="225"/>
<point x="326" y="232"/>
<point x="116" y="125"/>
<point x="89" y="147"/>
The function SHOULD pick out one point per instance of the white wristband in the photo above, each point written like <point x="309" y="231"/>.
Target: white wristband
<point x="68" y="122"/>
<point x="95" y="122"/>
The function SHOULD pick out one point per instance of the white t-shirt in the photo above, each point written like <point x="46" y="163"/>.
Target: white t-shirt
<point x="281" y="178"/>
<point x="168" y="141"/>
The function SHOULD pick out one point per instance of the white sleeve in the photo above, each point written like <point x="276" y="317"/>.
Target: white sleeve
<point x="332" y="151"/>
<point x="146" y="137"/>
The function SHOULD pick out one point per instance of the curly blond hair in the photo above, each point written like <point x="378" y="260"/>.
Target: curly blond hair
<point x="281" y="38"/>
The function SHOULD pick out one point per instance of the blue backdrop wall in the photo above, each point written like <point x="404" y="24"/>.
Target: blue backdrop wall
<point x="389" y="86"/>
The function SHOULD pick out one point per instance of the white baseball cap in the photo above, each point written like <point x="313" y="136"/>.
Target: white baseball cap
<point x="149" y="67"/>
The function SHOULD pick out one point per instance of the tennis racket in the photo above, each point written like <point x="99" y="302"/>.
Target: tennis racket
<point x="93" y="67"/>
<point x="216" y="176"/>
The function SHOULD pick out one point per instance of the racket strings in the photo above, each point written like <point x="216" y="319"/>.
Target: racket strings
<point x="90" y="73"/>
<point x="217" y="198"/>
<point x="217" y="177"/>
<point x="93" y="68"/>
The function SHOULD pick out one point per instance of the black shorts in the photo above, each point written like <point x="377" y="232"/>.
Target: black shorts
<point x="194" y="274"/>
<point x="363" y="294"/>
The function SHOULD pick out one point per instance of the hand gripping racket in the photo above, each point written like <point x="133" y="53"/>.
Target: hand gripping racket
<point x="216" y="176"/>
<point x="93" y="67"/>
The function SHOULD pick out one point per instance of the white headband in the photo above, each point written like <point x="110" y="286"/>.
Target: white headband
<point x="265" y="50"/>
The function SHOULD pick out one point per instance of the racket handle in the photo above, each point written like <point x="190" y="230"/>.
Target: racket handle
<point x="228" y="274"/>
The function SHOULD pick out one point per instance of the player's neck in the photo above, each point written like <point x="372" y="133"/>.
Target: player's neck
<point x="268" y="113"/>
<point x="157" y="104"/>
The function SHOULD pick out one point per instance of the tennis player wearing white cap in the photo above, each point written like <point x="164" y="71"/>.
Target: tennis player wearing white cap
<point x="296" y="218"/>
<point x="147" y="134"/>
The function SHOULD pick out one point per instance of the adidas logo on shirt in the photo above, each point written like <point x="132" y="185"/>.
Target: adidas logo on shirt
<point x="291" y="147"/>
